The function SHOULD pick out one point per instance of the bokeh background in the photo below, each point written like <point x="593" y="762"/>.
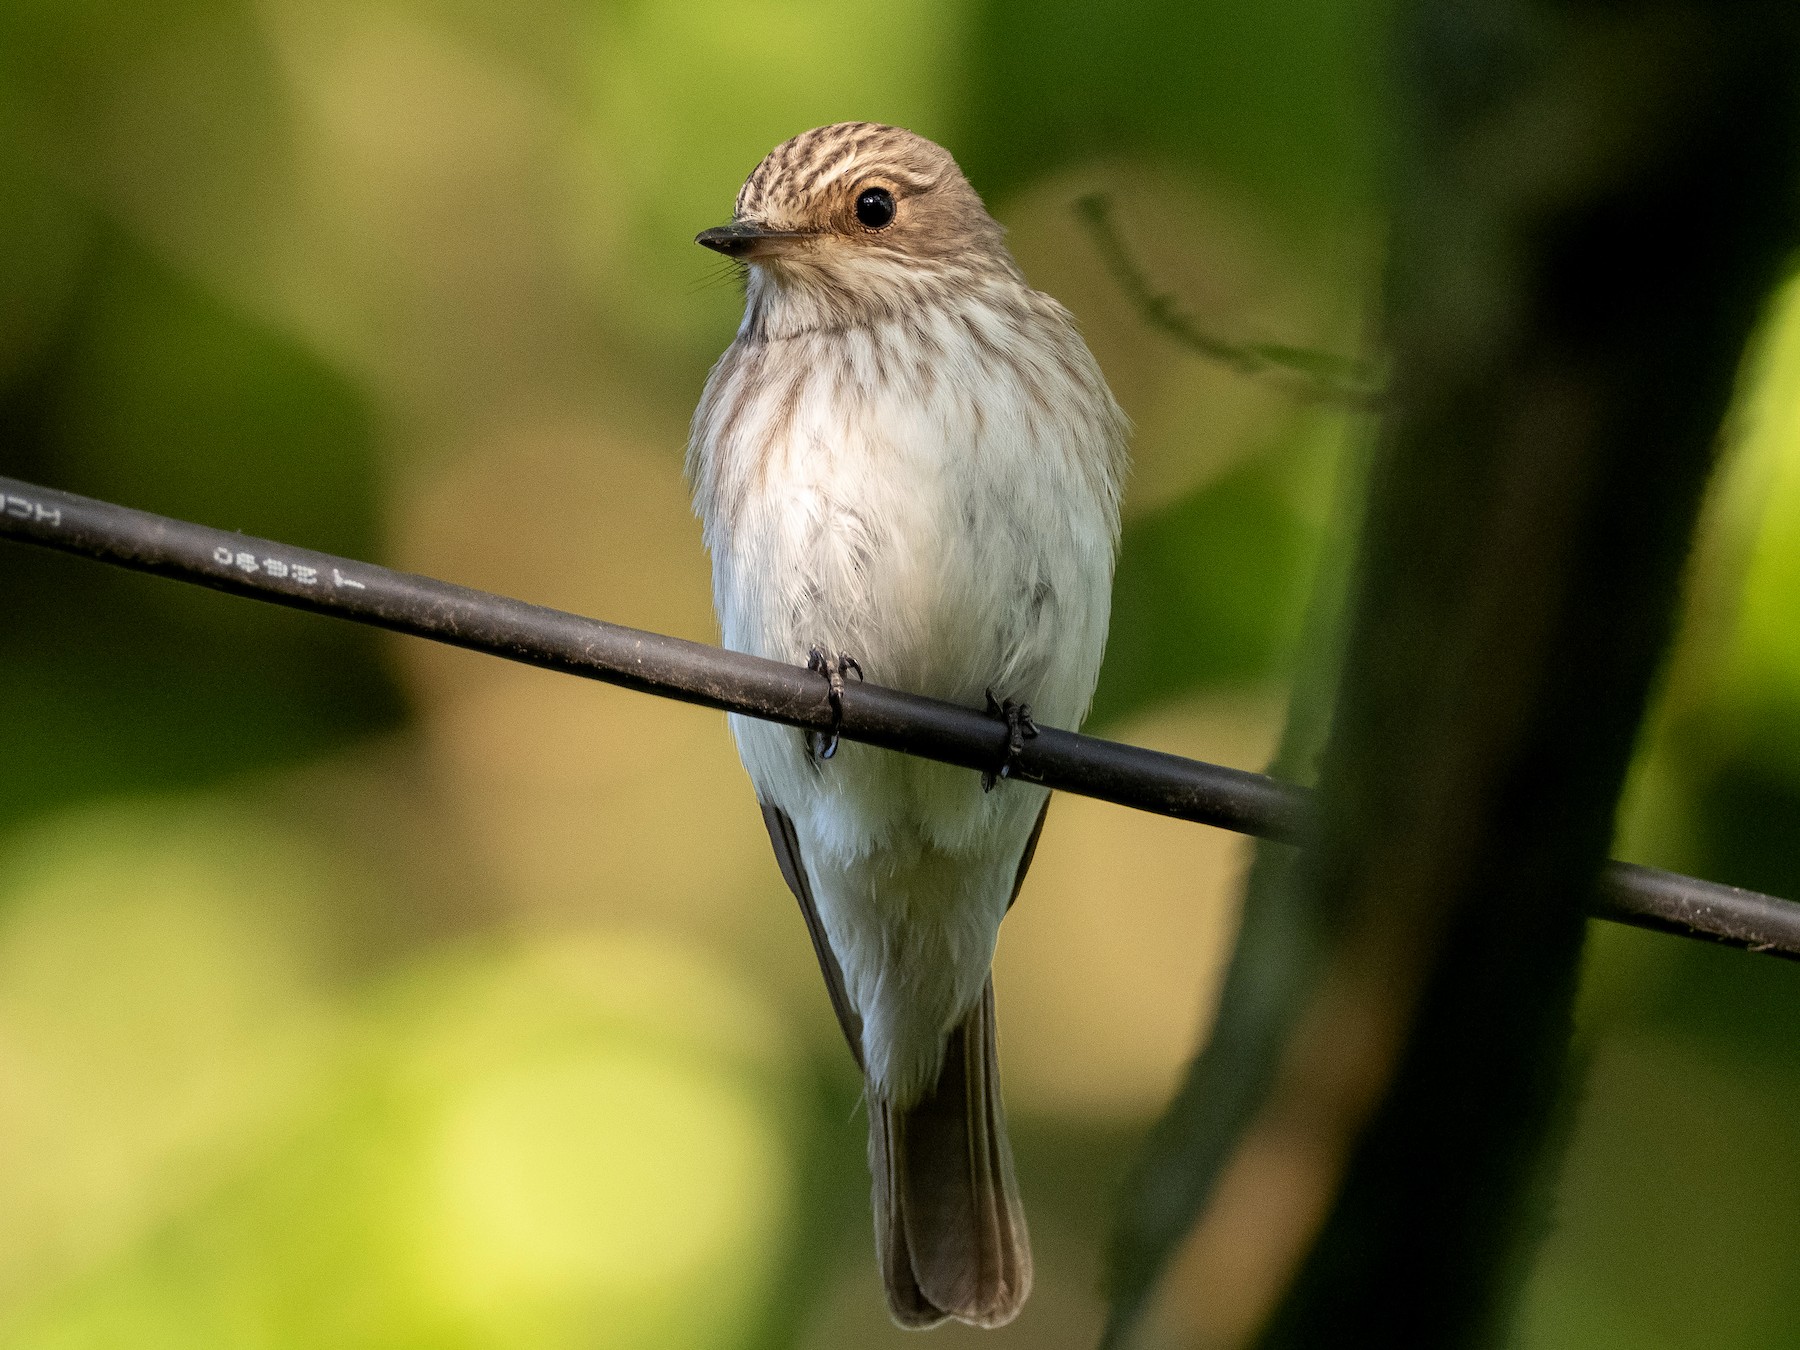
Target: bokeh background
<point x="356" y="992"/>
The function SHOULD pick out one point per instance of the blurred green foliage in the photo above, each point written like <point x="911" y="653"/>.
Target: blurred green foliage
<point x="294" y="269"/>
<point x="1246" y="92"/>
<point x="1234" y="560"/>
<point x="149" y="390"/>
<point x="570" y="1144"/>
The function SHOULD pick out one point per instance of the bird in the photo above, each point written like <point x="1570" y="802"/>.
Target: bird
<point x="908" y="468"/>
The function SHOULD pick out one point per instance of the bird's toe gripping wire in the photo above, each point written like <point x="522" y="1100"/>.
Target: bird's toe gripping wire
<point x="1019" y="728"/>
<point x="824" y="744"/>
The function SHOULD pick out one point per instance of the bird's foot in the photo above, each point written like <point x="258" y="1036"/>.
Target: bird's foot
<point x="823" y="744"/>
<point x="1019" y="728"/>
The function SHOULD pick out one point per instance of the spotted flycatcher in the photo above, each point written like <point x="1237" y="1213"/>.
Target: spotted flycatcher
<point x="908" y="466"/>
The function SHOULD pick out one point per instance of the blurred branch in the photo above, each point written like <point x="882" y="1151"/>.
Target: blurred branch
<point x="1314" y="376"/>
<point x="1275" y="961"/>
<point x="1558" y="386"/>
<point x="693" y="672"/>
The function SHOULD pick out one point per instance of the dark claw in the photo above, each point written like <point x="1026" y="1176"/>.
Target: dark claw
<point x="1019" y="728"/>
<point x="824" y="745"/>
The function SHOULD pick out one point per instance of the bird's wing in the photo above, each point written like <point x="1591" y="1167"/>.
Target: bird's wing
<point x="793" y="871"/>
<point x="1026" y="856"/>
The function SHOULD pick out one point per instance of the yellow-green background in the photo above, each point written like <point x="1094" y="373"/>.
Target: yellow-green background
<point x="360" y="993"/>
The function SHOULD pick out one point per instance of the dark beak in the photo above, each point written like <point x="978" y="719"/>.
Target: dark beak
<point x="746" y="241"/>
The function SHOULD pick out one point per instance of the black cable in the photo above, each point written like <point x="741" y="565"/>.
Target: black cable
<point x="1146" y="780"/>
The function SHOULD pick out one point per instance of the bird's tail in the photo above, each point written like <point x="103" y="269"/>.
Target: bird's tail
<point x="949" y="1231"/>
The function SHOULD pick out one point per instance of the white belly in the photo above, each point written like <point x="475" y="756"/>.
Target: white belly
<point x="951" y="549"/>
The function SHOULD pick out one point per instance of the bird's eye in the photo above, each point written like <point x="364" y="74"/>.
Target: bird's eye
<point x="875" y="208"/>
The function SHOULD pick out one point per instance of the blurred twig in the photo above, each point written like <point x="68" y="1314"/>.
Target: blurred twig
<point x="1314" y="376"/>
<point x="1146" y="780"/>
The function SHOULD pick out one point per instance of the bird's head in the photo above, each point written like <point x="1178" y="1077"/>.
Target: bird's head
<point x="860" y="209"/>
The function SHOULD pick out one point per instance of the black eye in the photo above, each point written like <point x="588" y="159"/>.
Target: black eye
<point x="875" y="207"/>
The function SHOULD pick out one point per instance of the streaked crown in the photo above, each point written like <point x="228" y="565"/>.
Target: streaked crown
<point x="860" y="190"/>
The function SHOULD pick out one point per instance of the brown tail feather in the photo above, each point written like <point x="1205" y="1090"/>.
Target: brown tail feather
<point x="949" y="1231"/>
